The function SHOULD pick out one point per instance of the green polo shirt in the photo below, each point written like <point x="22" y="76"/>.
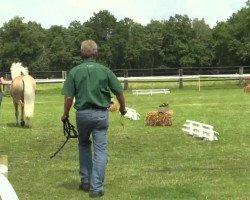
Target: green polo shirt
<point x="90" y="83"/>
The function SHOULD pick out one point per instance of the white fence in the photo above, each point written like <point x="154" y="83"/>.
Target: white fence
<point x="178" y="78"/>
<point x="200" y="130"/>
<point x="199" y="78"/>
<point x="151" y="91"/>
<point x="132" y="114"/>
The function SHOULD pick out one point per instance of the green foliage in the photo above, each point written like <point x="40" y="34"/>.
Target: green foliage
<point x="153" y="38"/>
<point x="164" y="105"/>
<point x="176" y="42"/>
<point x="21" y="42"/>
<point x="177" y="35"/>
<point x="103" y="23"/>
<point x="232" y="39"/>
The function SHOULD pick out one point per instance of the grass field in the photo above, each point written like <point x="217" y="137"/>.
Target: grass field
<point x="144" y="162"/>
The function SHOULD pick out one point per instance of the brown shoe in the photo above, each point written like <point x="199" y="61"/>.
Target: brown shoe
<point x="84" y="186"/>
<point x="96" y="194"/>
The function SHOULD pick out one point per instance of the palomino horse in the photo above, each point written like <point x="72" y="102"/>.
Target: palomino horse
<point x="22" y="90"/>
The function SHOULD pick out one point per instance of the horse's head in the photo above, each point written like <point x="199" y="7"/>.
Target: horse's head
<point x="17" y="69"/>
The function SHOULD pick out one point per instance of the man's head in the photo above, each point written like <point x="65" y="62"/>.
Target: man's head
<point x="88" y="49"/>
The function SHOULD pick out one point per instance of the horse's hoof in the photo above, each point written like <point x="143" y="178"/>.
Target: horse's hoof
<point x="22" y="123"/>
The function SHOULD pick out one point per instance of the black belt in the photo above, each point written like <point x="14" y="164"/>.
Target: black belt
<point x="93" y="108"/>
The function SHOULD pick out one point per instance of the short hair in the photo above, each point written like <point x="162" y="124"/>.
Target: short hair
<point x="89" y="49"/>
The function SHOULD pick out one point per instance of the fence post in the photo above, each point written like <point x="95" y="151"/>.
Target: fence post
<point x="4" y="165"/>
<point x="64" y="74"/>
<point x="125" y="81"/>
<point x="241" y="71"/>
<point x="180" y="80"/>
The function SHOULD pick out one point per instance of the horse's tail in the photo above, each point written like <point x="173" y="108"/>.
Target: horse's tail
<point x="17" y="69"/>
<point x="29" y="95"/>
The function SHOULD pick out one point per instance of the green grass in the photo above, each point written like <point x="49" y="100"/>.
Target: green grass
<point x="144" y="162"/>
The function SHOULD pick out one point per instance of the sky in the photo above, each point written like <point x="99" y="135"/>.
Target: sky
<point x="62" y="12"/>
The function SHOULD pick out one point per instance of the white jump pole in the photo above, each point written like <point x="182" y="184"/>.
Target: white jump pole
<point x="4" y="165"/>
<point x="6" y="190"/>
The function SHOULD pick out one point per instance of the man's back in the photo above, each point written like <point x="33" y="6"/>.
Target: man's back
<point x="90" y="83"/>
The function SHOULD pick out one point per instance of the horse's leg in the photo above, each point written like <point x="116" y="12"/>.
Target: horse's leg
<point x="22" y="113"/>
<point x="16" y="112"/>
<point x="28" y="121"/>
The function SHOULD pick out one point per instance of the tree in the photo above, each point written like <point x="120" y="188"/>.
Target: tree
<point x="233" y="39"/>
<point x="103" y="24"/>
<point x="153" y="40"/>
<point x="20" y="42"/>
<point x="78" y="34"/>
<point x="177" y="42"/>
<point x="134" y="46"/>
<point x="118" y="43"/>
<point x="58" y="48"/>
<point x="202" y="44"/>
<point x="248" y="3"/>
<point x="239" y="24"/>
<point x="177" y="35"/>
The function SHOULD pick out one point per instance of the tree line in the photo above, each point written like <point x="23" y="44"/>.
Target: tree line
<point x="125" y="44"/>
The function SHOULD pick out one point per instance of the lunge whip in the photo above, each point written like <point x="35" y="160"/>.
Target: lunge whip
<point x="69" y="132"/>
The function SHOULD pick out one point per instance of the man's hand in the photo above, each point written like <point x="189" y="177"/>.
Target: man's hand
<point x="64" y="118"/>
<point x="123" y="111"/>
<point x="121" y="99"/>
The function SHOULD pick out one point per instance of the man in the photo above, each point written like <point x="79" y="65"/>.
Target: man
<point x="2" y="82"/>
<point x="90" y="84"/>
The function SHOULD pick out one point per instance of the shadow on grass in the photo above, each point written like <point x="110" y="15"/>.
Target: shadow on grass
<point x="70" y="185"/>
<point x="13" y="125"/>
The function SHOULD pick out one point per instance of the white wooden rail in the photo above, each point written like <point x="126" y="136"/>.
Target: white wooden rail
<point x="132" y="114"/>
<point x="157" y="78"/>
<point x="185" y="77"/>
<point x="200" y="130"/>
<point x="6" y="190"/>
<point x="151" y="91"/>
<point x="160" y="78"/>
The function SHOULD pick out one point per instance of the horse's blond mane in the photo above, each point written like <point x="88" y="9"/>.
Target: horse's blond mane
<point x="17" y="69"/>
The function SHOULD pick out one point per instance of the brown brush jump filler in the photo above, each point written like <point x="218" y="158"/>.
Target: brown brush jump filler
<point x="247" y="88"/>
<point x="162" y="117"/>
<point x="113" y="106"/>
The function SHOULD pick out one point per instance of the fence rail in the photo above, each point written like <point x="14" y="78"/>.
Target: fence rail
<point x="182" y="71"/>
<point x="139" y="75"/>
<point x="163" y="71"/>
<point x="197" y="78"/>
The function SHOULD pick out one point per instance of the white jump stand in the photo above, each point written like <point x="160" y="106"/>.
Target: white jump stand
<point x="151" y="91"/>
<point x="200" y="130"/>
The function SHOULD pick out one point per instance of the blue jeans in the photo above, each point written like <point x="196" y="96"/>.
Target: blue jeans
<point x="92" y="170"/>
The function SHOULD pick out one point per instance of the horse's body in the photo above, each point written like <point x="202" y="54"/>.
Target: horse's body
<point x="22" y="90"/>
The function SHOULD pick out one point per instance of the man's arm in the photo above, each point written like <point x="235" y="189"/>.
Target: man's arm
<point x="4" y="82"/>
<point x="121" y="99"/>
<point x="68" y="101"/>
